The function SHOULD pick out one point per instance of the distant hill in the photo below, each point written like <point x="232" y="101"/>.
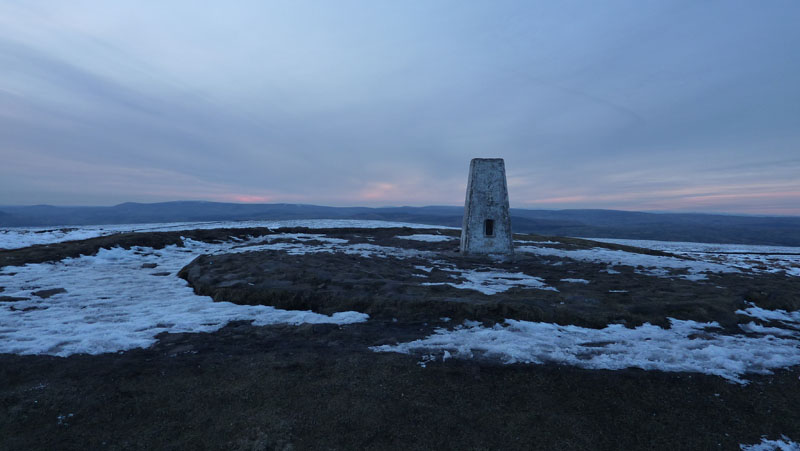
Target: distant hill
<point x="780" y="231"/>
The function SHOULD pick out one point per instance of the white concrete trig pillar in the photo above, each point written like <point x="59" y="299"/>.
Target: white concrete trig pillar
<point x="487" y="222"/>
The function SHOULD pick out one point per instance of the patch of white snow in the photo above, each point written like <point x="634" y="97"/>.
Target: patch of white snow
<point x="655" y="265"/>
<point x="788" y="318"/>
<point x="113" y="303"/>
<point x="18" y="237"/>
<point x="493" y="282"/>
<point x="783" y="444"/>
<point x="687" y="346"/>
<point x="427" y="237"/>
<point x="575" y="280"/>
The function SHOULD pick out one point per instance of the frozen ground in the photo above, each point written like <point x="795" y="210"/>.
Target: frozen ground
<point x="749" y="257"/>
<point x="429" y="238"/>
<point x="783" y="444"/>
<point x="321" y="243"/>
<point x="18" y="237"/>
<point x="687" y="346"/>
<point x="654" y="265"/>
<point x="490" y="282"/>
<point x="573" y="280"/>
<point x="121" y="299"/>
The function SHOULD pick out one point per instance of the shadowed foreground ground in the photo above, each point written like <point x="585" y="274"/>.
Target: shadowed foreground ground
<point x="319" y="387"/>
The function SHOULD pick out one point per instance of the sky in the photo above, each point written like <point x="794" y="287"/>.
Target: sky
<point x="632" y="105"/>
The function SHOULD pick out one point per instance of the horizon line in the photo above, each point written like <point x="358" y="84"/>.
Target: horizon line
<point x="657" y="212"/>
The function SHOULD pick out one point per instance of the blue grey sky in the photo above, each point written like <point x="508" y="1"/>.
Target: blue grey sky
<point x="635" y="105"/>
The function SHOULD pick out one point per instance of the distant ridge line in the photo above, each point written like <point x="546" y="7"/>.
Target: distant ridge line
<point x="698" y="227"/>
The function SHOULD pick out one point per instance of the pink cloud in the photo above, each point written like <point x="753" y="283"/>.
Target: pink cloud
<point x="250" y="199"/>
<point x="379" y="191"/>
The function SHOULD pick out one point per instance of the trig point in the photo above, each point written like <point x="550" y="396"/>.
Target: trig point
<point x="487" y="223"/>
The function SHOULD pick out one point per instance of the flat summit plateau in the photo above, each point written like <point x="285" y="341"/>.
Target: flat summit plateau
<point x="388" y="338"/>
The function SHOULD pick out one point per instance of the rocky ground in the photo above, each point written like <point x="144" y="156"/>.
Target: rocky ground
<point x="321" y="386"/>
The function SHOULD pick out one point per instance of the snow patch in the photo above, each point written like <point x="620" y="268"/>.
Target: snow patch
<point x="686" y="346"/>
<point x="113" y="303"/>
<point x="329" y="245"/>
<point x="770" y="259"/>
<point x="792" y="319"/>
<point x="754" y="328"/>
<point x="784" y="444"/>
<point x="493" y="282"/>
<point x="575" y="280"/>
<point x="18" y="237"/>
<point x="427" y="237"/>
<point x="654" y="265"/>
